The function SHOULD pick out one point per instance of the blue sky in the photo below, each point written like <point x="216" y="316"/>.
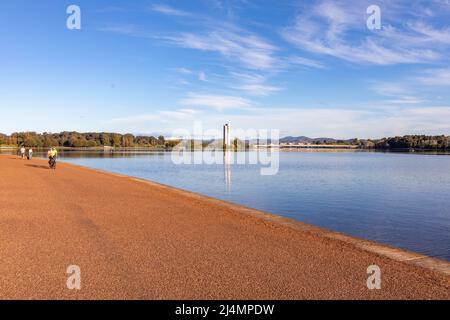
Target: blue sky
<point x="304" y="67"/>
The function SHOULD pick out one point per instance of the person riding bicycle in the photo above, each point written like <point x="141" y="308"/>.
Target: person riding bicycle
<point x="52" y="153"/>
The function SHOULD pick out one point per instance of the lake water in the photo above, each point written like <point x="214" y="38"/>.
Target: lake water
<point x="399" y="199"/>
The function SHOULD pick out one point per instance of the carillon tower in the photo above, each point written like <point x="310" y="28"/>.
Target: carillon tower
<point x="226" y="137"/>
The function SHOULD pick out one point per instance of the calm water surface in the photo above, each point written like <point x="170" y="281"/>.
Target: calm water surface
<point x="394" y="198"/>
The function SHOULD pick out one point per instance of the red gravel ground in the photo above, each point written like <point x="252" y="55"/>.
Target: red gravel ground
<point x="138" y="240"/>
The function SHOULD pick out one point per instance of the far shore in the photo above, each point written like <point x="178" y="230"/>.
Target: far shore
<point x="281" y="148"/>
<point x="135" y="239"/>
<point x="87" y="148"/>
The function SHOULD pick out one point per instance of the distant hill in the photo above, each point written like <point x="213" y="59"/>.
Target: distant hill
<point x="303" y="139"/>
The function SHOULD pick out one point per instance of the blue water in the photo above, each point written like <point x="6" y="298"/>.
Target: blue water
<point x="394" y="198"/>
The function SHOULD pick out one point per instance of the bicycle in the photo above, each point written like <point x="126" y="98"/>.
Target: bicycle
<point x="52" y="163"/>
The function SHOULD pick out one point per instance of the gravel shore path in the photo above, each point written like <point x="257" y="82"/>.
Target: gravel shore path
<point x="140" y="240"/>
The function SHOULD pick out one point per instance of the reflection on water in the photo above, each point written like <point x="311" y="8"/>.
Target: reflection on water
<point x="227" y="170"/>
<point x="394" y="198"/>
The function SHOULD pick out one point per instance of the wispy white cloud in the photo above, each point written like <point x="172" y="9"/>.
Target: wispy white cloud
<point x="389" y="88"/>
<point x="181" y="114"/>
<point x="405" y="100"/>
<point x="257" y="89"/>
<point x="230" y="41"/>
<point x="331" y="29"/>
<point x="250" y="50"/>
<point x="429" y="33"/>
<point x="436" y="77"/>
<point x="297" y="60"/>
<point x="398" y="93"/>
<point x="339" y="123"/>
<point x="253" y="84"/>
<point x="185" y="72"/>
<point x="217" y="102"/>
<point x="248" y="77"/>
<point x="323" y="28"/>
<point x="166" y="116"/>
<point x="239" y="48"/>
<point x="167" y="10"/>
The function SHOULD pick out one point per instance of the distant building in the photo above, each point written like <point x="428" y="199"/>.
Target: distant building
<point x="226" y="136"/>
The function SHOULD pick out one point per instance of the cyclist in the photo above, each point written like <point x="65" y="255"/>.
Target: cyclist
<point x="52" y="154"/>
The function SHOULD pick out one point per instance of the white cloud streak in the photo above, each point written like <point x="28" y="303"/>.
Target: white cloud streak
<point x="257" y="89"/>
<point x="217" y="102"/>
<point x="436" y="77"/>
<point x="167" y="10"/>
<point x="331" y="28"/>
<point x="399" y="93"/>
<point x="253" y="84"/>
<point x="338" y="123"/>
<point x="297" y="60"/>
<point x="250" y="50"/>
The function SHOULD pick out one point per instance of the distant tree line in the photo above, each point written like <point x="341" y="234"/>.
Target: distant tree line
<point x="83" y="140"/>
<point x="407" y="142"/>
<point x="94" y="139"/>
<point x="415" y="142"/>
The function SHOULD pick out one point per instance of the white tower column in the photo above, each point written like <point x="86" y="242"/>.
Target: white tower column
<point x="226" y="137"/>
